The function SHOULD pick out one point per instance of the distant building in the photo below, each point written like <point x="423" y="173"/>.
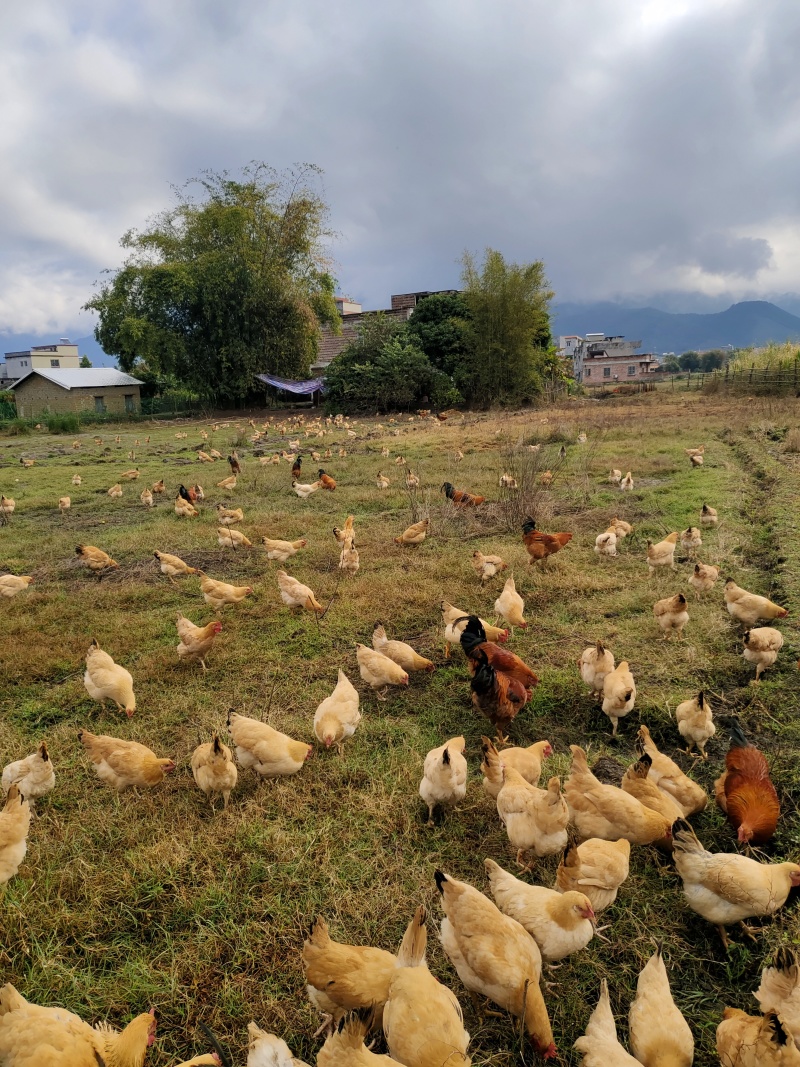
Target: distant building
<point x="66" y="392"/>
<point x="61" y="356"/>
<point x="352" y="315"/>
<point x="599" y="360"/>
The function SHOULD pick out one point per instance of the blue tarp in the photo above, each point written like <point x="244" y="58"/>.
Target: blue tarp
<point x="312" y="386"/>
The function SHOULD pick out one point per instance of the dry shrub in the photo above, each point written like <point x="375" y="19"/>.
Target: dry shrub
<point x="792" y="442"/>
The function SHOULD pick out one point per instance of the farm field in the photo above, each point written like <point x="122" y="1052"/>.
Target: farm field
<point x="127" y="902"/>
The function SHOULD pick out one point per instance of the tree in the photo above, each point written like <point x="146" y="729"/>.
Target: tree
<point x="712" y="360"/>
<point x="508" y="329"/>
<point x="689" y="361"/>
<point x="671" y="365"/>
<point x="383" y="369"/>
<point x="85" y="362"/>
<point x="218" y="289"/>
<point x="439" y="328"/>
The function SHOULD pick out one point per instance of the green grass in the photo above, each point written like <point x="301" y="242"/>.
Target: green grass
<point x="123" y="903"/>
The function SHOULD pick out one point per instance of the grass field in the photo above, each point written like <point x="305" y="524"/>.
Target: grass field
<point x="129" y="902"/>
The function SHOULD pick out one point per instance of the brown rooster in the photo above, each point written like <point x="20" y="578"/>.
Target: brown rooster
<point x="745" y="793"/>
<point x="298" y="462"/>
<point x="235" y="465"/>
<point x="541" y="545"/>
<point x="473" y="640"/>
<point x="461" y="497"/>
<point x="495" y="694"/>
<point x="326" y="481"/>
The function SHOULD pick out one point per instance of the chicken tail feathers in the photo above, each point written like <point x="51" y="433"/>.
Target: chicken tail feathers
<point x="415" y="941"/>
<point x="441" y="879"/>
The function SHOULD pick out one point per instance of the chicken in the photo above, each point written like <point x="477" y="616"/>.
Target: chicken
<point x="342" y="978"/>
<point x="269" y="1050"/>
<point x="621" y="528"/>
<point x="703" y="578"/>
<point x="297" y="466"/>
<point x="605" y="544"/>
<point x="185" y="509"/>
<point x="745" y="792"/>
<point x="599" y="1046"/>
<point x="535" y="819"/>
<point x="345" y="1047"/>
<point x="11" y="584"/>
<point x="525" y="761"/>
<point x="659" y="1034"/>
<point x="204" y="457"/>
<point x="158" y="487"/>
<point x="414" y="535"/>
<point x="691" y="541"/>
<point x="227" y="483"/>
<point x="325" y="481"/>
<point x="412" y="480"/>
<point x="227" y="537"/>
<point x="214" y="454"/>
<point x="755" y="1041"/>
<point x="282" y="550"/>
<point x="460" y="497"/>
<point x="189" y="495"/>
<point x="7" y="505"/>
<point x="130" y="476"/>
<point x="473" y="641"/>
<point x="546" y="478"/>
<point x="507" y="481"/>
<point x="598" y="810"/>
<point x="382" y="481"/>
<point x="106" y="680"/>
<point x="672" y="614"/>
<point x="444" y="776"/>
<point x="455" y="623"/>
<point x="378" y="671"/>
<point x="349" y="560"/>
<point x="749" y="608"/>
<point x="559" y="923"/>
<point x="146" y="497"/>
<point x="626" y="485"/>
<point x="696" y="723"/>
<point x="234" y="464"/>
<point x="337" y="716"/>
<point x="64" y="504"/>
<point x="615" y="476"/>
<point x="595" y="663"/>
<point x="95" y="559"/>
<point x="761" y="646"/>
<point x="541" y="545"/>
<point x="34" y="1036"/>
<point x="696" y="461"/>
<point x="196" y="641"/>
<point x="779" y="991"/>
<point x="229" y="516"/>
<point x="400" y="461"/>
<point x="695" y="451"/>
<point x="669" y="778"/>
<point x="596" y="868"/>
<point x="346" y="535"/>
<point x="213" y="770"/>
<point x="497" y="695"/>
<point x="123" y="764"/>
<point x="296" y="595"/>
<point x="270" y="753"/>
<point x="495" y="957"/>
<point x="15" y="822"/>
<point x="725" y="887"/>
<point x="708" y="516"/>
<point x="217" y="594"/>
<point x="34" y="775"/>
<point x="619" y="694"/>
<point x="637" y="783"/>
<point x="199" y="492"/>
<point x="487" y="567"/>
<point x="422" y="1018"/>
<point x="661" y="554"/>
<point x="115" y="491"/>
<point x="76" y="479"/>
<point x="305" y="491"/>
<point x="510" y="606"/>
<point x="173" y="566"/>
<point x="398" y="651"/>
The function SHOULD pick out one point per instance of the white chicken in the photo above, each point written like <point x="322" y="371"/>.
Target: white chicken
<point x="444" y="776"/>
<point x="34" y="775"/>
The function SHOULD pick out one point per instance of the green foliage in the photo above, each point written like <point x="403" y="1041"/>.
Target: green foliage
<point x="712" y="360"/>
<point x="62" y="423"/>
<point x="508" y="329"/>
<point x="219" y="289"/>
<point x="383" y="370"/>
<point x="689" y="361"/>
<point x="671" y="365"/>
<point x="438" y="328"/>
<point x="85" y="362"/>
<point x="18" y="427"/>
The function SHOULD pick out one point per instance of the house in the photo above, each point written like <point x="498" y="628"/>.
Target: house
<point x="56" y="391"/>
<point x="331" y="344"/>
<point x="598" y="360"/>
<point x="62" y="356"/>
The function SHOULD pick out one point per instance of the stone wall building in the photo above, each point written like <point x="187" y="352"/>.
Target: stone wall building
<point x="598" y="360"/>
<point x="66" y="392"/>
<point x="63" y="356"/>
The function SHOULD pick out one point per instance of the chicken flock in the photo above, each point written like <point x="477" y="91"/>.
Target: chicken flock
<point x="497" y="942"/>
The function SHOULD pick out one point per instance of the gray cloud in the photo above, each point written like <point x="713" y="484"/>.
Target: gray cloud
<point x="640" y="147"/>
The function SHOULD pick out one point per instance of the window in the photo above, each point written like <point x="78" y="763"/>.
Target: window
<point x="588" y="373"/>
<point x="55" y="363"/>
<point x="100" y="404"/>
<point x="606" y="372"/>
<point x="631" y="370"/>
<point x="129" y="402"/>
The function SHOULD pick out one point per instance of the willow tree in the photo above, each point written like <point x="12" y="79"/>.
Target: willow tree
<point x="508" y="328"/>
<point x="231" y="281"/>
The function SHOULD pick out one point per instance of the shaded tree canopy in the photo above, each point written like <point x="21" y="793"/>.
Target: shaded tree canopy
<point x="689" y="361"/>
<point x="219" y="288"/>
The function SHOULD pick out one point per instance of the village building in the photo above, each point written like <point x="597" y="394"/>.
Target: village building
<point x="61" y="356"/>
<point x="598" y="360"/>
<point x="55" y="391"/>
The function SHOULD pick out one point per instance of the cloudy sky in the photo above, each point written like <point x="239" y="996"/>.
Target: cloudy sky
<point x="647" y="150"/>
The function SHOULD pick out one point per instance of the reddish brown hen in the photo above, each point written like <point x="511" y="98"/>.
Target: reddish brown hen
<point x="496" y="695"/>
<point x="541" y="545"/>
<point x="461" y="497"/>
<point x="473" y="640"/>
<point x="745" y="793"/>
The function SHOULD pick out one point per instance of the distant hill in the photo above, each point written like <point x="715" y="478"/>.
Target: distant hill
<point x="751" y="322"/>
<point x="87" y="346"/>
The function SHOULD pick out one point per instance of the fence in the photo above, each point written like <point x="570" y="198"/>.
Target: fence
<point x="783" y="377"/>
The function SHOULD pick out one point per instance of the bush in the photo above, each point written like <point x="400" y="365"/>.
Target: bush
<point x="62" y="423"/>
<point x="18" y="427"/>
